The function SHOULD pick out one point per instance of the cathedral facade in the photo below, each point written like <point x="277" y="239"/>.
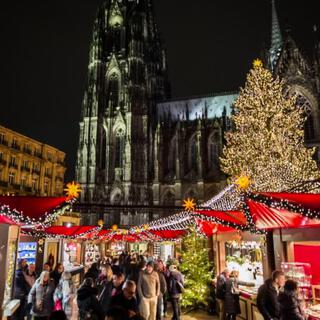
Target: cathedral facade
<point x="138" y="147"/>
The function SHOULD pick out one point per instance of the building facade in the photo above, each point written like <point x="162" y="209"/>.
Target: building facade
<point x="29" y="167"/>
<point x="138" y="147"/>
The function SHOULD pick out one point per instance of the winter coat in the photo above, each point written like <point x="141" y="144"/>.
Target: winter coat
<point x="267" y="301"/>
<point x="43" y="294"/>
<point x="66" y="292"/>
<point x="221" y="286"/>
<point x="30" y="279"/>
<point x="92" y="272"/>
<point x="55" y="276"/>
<point x="105" y="296"/>
<point x="163" y="283"/>
<point x="20" y="285"/>
<point x="231" y="300"/>
<point x="88" y="303"/>
<point x="173" y="290"/>
<point x="289" y="306"/>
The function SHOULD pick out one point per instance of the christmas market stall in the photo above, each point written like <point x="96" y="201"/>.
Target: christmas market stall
<point x="19" y="215"/>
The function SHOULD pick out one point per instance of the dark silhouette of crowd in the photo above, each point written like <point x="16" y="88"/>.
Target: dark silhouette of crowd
<point x="129" y="286"/>
<point x="277" y="298"/>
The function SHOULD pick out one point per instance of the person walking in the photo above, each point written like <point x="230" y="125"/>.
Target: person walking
<point x="65" y="294"/>
<point x="104" y="286"/>
<point x="175" y="289"/>
<point x="21" y="290"/>
<point x="232" y="295"/>
<point x="267" y="298"/>
<point x="163" y="290"/>
<point x="89" y="307"/>
<point x="290" y="308"/>
<point x="221" y="292"/>
<point x="149" y="290"/>
<point x="126" y="300"/>
<point x="40" y="297"/>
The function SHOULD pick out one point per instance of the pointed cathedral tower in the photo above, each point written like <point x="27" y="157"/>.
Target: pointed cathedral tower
<point x="287" y="61"/>
<point x="126" y="76"/>
<point x="276" y="38"/>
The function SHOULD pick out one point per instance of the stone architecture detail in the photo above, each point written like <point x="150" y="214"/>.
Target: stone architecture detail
<point x="29" y="167"/>
<point x="138" y="147"/>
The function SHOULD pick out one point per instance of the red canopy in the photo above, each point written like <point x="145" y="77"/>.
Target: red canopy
<point x="72" y="232"/>
<point x="28" y="207"/>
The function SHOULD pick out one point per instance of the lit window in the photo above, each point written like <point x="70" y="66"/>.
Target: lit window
<point x="11" y="177"/>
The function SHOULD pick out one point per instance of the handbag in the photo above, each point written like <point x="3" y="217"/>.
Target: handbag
<point x="58" y="305"/>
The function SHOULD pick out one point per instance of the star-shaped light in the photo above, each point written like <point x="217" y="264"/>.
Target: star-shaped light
<point x="73" y="190"/>
<point x="257" y="63"/>
<point x="189" y="204"/>
<point x="243" y="182"/>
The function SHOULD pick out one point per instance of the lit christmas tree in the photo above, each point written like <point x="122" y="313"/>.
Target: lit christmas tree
<point x="197" y="271"/>
<point x="267" y="143"/>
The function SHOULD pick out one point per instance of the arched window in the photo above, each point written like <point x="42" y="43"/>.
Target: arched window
<point x="193" y="153"/>
<point x="172" y="155"/>
<point x="119" y="148"/>
<point x="113" y="90"/>
<point x="303" y="103"/>
<point x="213" y="149"/>
<point x="168" y="199"/>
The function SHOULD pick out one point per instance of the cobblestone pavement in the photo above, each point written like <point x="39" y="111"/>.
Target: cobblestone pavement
<point x="198" y="315"/>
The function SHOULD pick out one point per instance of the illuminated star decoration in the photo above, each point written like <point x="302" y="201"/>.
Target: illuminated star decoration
<point x="72" y="190"/>
<point x="257" y="63"/>
<point x="189" y="204"/>
<point x="243" y="182"/>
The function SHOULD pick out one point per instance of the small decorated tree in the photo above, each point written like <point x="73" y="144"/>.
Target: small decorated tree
<point x="197" y="271"/>
<point x="267" y="143"/>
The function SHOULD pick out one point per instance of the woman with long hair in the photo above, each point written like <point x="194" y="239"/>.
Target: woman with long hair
<point x="56" y="273"/>
<point x="41" y="297"/>
<point x="64" y="294"/>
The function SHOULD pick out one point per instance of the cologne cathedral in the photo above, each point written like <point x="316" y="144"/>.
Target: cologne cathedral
<point x="140" y="149"/>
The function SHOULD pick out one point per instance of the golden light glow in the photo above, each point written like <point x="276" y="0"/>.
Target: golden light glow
<point x="189" y="204"/>
<point x="257" y="63"/>
<point x="243" y="182"/>
<point x="73" y="190"/>
<point x="100" y="222"/>
<point x="114" y="227"/>
<point x="267" y="143"/>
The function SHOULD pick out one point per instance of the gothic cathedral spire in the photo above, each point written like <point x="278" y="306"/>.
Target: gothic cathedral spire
<point x="276" y="38"/>
<point x="126" y="77"/>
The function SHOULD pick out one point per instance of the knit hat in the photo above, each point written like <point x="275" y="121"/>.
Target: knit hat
<point x="173" y="267"/>
<point x="151" y="264"/>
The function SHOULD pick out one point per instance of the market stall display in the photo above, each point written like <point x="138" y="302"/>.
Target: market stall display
<point x="91" y="253"/>
<point x="301" y="273"/>
<point x="28" y="251"/>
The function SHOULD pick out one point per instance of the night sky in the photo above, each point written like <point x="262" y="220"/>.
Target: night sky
<point x="210" y="46"/>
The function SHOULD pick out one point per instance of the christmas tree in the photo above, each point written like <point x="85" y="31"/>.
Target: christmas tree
<point x="196" y="269"/>
<point x="267" y="143"/>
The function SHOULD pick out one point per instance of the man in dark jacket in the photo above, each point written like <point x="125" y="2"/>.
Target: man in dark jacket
<point x="126" y="299"/>
<point x="21" y="289"/>
<point x="267" y="299"/>
<point x="87" y="301"/>
<point x="221" y="291"/>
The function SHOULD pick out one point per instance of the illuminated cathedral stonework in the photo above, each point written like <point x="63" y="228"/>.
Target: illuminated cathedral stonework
<point x="139" y="147"/>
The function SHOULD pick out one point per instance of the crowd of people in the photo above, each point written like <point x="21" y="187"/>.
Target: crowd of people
<point x="277" y="298"/>
<point x="129" y="286"/>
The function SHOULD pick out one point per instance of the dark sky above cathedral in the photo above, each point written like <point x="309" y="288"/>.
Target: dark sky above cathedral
<point x="210" y="46"/>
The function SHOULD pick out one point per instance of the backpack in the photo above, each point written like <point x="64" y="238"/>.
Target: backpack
<point x="175" y="286"/>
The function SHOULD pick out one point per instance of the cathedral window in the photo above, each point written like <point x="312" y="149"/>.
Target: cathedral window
<point x="303" y="103"/>
<point x="213" y="149"/>
<point x="193" y="154"/>
<point x="119" y="148"/>
<point x="113" y="90"/>
<point x="172" y="155"/>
